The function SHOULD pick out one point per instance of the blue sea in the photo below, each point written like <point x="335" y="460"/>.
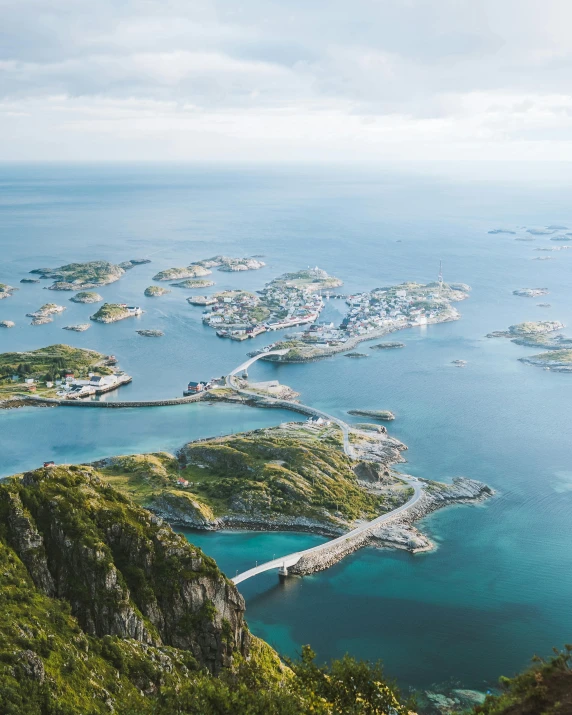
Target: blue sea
<point x="498" y="587"/>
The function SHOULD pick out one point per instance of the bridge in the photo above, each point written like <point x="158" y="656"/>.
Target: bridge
<point x="346" y="542"/>
<point x="287" y="404"/>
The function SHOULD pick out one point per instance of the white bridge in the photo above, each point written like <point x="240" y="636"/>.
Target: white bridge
<point x="284" y="562"/>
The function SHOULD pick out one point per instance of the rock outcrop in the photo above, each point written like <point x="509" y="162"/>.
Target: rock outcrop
<point x="122" y="570"/>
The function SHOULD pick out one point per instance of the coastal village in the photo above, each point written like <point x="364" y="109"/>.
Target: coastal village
<point x="288" y="301"/>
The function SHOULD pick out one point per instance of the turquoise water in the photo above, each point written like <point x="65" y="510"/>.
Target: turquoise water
<point x="498" y="587"/>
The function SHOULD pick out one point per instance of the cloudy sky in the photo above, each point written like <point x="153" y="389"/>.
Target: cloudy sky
<point x="285" y="80"/>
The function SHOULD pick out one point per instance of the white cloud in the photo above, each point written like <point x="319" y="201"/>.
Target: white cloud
<point x="266" y="80"/>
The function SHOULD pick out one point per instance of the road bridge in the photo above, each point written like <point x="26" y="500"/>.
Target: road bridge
<point x="359" y="534"/>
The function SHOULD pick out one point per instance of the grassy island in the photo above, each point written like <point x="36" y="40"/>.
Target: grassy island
<point x="194" y="283"/>
<point x="86" y="297"/>
<point x="77" y="276"/>
<point x="230" y="264"/>
<point x="312" y="279"/>
<point x="171" y="274"/>
<point x="156" y="291"/>
<point x="112" y="312"/>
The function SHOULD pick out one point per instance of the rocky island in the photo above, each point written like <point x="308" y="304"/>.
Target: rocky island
<point x="194" y="283"/>
<point x="171" y="274"/>
<point x="44" y="314"/>
<point x="79" y="328"/>
<point x="127" y="265"/>
<point x="387" y="346"/>
<point x="356" y="355"/>
<point x="530" y="292"/>
<point x="112" y="312"/>
<point x="156" y="291"/>
<point x="375" y="414"/>
<point x="86" y="297"/>
<point x="150" y="333"/>
<point x="6" y="291"/>
<point x="7" y="323"/>
<point x="80" y="276"/>
<point x="230" y="265"/>
<point x="527" y="330"/>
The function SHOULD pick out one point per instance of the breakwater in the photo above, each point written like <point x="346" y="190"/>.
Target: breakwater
<point x="43" y="401"/>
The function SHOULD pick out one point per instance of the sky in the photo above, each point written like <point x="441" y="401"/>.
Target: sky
<point x="285" y="80"/>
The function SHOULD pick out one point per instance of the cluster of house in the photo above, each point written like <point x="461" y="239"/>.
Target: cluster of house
<point x="288" y="306"/>
<point x="73" y="388"/>
<point x="391" y="308"/>
<point x="195" y="387"/>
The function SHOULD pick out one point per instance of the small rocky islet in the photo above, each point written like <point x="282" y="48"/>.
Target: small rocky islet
<point x="150" y="333"/>
<point x="79" y="328"/>
<point x="384" y="415"/>
<point x="44" y="314"/>
<point x="155" y="291"/>
<point x="6" y="291"/>
<point x="86" y="297"/>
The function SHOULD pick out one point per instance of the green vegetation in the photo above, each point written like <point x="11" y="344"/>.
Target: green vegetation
<point x="375" y="414"/>
<point x="74" y="276"/>
<point x="312" y="279"/>
<point x="86" y="297"/>
<point x="156" y="291"/>
<point x="47" y="364"/>
<point x="544" y="689"/>
<point x="194" y="283"/>
<point x="111" y="313"/>
<point x="293" y="472"/>
<point x="106" y="609"/>
<point x="170" y="274"/>
<point x="554" y="357"/>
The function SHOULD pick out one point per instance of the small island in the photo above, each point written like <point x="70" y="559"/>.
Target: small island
<point x="384" y="415"/>
<point x="356" y="355"/>
<point x="230" y="265"/>
<point x="495" y="231"/>
<point x="86" y="297"/>
<point x="530" y="292"/>
<point x="171" y="274"/>
<point x="156" y="291"/>
<point x="528" y="329"/>
<point x="194" y="283"/>
<point x="387" y="346"/>
<point x="79" y="276"/>
<point x="80" y="328"/>
<point x="555" y="360"/>
<point x="112" y="312"/>
<point x="30" y="280"/>
<point x="6" y="291"/>
<point x="150" y="333"/>
<point x="7" y="323"/>
<point x="44" y="314"/>
<point x="127" y="265"/>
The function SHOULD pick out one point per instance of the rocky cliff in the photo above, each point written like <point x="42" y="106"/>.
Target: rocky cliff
<point x="122" y="570"/>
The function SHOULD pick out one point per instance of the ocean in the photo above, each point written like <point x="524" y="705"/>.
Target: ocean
<point x="497" y="588"/>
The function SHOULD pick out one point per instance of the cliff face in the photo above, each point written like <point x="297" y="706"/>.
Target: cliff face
<point x="122" y="570"/>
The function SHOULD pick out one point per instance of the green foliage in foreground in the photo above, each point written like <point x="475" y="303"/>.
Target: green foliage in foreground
<point x="544" y="689"/>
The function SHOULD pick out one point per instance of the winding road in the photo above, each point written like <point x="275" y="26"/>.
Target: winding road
<point x="303" y="409"/>
<point x="284" y="562"/>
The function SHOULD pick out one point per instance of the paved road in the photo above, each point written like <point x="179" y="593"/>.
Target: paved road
<point x="303" y="409"/>
<point x="285" y="562"/>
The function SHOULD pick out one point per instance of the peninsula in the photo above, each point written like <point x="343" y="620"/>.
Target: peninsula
<point x="79" y="276"/>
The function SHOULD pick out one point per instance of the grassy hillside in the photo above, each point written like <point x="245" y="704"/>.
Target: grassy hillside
<point x="293" y="470"/>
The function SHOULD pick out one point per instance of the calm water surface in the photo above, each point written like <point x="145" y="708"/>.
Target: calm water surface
<point x="498" y="587"/>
